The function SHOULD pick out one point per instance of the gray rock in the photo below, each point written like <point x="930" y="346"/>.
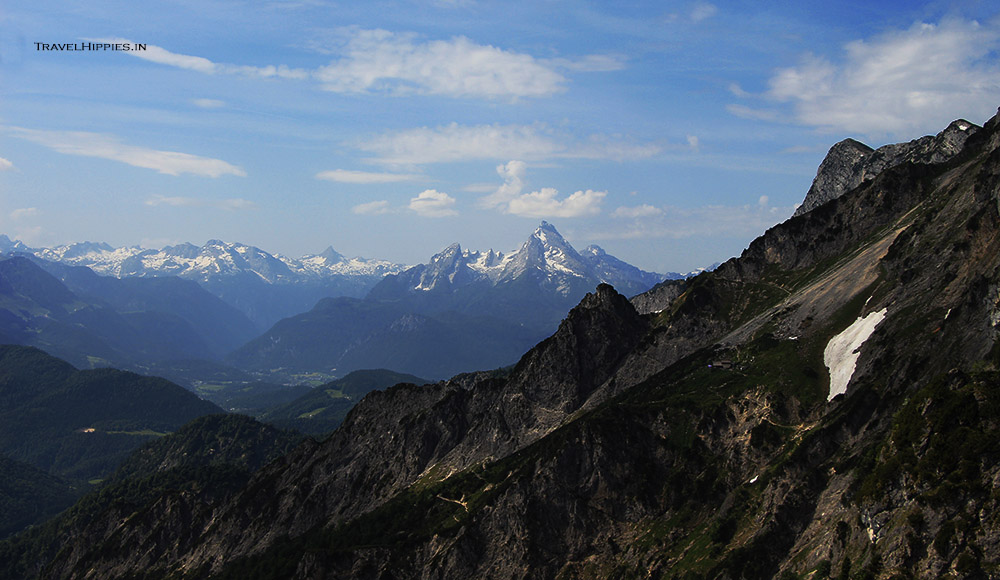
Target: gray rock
<point x="850" y="163"/>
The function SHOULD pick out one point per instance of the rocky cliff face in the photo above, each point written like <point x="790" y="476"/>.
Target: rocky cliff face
<point x="850" y="163"/>
<point x="698" y="440"/>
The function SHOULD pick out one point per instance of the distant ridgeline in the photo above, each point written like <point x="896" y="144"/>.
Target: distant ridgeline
<point x="824" y="406"/>
<point x="158" y="310"/>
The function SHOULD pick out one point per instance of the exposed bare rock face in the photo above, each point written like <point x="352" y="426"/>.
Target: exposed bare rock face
<point x="849" y="163"/>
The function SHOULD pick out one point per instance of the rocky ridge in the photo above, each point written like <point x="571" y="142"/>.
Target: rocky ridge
<point x="850" y="163"/>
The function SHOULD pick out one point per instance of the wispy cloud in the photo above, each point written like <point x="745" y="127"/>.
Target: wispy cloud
<point x="5" y="164"/>
<point x="713" y="221"/>
<point x="898" y="82"/>
<point x="590" y="63"/>
<point x="433" y="203"/>
<point x="456" y="142"/>
<point x="23" y="212"/>
<point x="200" y="64"/>
<point x="208" y="103"/>
<point x="755" y="114"/>
<point x="372" y="208"/>
<point x="110" y="147"/>
<point x="234" y="204"/>
<point x="509" y="197"/>
<point x="703" y="11"/>
<point x="644" y="210"/>
<point x="364" y="177"/>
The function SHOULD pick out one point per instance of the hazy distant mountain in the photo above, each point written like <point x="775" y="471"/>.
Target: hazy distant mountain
<point x="105" y="321"/>
<point x="220" y="325"/>
<point x="535" y="285"/>
<point x="462" y="311"/>
<point x="264" y="286"/>
<point x="6" y="245"/>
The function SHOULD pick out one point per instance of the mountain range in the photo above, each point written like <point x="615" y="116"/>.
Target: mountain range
<point x="823" y="406"/>
<point x="461" y="311"/>
<point x="263" y="286"/>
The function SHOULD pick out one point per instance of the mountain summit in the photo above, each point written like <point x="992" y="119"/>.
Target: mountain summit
<point x="545" y="262"/>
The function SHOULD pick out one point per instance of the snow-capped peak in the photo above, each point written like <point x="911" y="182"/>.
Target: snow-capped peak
<point x="545" y="257"/>
<point x="216" y="258"/>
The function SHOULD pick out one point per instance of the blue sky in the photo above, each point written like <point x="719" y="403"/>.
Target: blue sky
<point x="669" y="133"/>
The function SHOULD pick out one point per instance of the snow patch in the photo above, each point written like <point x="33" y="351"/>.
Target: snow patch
<point x="841" y="353"/>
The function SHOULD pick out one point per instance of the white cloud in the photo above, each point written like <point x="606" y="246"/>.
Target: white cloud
<point x="456" y="142"/>
<point x="903" y="81"/>
<point x="737" y="90"/>
<point x="383" y="61"/>
<point x="459" y="142"/>
<point x="372" y="208"/>
<point x="509" y="198"/>
<point x="694" y="143"/>
<point x="349" y="176"/>
<point x="513" y="183"/>
<point x="23" y="212"/>
<point x="433" y="203"/>
<point x="703" y="11"/>
<point x="763" y="201"/>
<point x="644" y="210"/>
<point x="110" y="147"/>
<point x="208" y="103"/>
<point x="544" y="203"/>
<point x="226" y="204"/>
<point x="5" y="165"/>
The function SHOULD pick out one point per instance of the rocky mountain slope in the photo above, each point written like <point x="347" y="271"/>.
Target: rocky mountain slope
<point x="323" y="408"/>
<point x="850" y="163"/>
<point x="705" y="439"/>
